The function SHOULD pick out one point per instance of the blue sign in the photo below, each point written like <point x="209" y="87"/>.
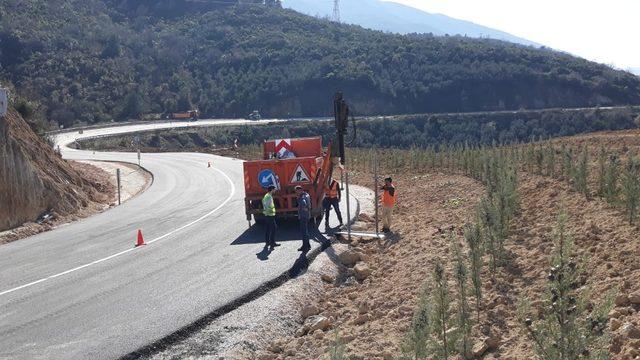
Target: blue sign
<point x="267" y="178"/>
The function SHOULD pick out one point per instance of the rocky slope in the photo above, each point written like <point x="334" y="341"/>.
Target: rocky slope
<point x="35" y="181"/>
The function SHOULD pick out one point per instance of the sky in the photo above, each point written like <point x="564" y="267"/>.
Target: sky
<point x="604" y="31"/>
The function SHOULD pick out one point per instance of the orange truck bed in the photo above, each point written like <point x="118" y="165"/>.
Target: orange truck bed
<point x="286" y="164"/>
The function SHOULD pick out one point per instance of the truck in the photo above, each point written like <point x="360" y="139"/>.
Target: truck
<point x="191" y="115"/>
<point x="255" y="115"/>
<point x="287" y="163"/>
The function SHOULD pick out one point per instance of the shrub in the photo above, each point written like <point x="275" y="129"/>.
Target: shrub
<point x="631" y="187"/>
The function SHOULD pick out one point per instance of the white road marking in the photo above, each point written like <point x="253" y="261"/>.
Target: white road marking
<point x="233" y="191"/>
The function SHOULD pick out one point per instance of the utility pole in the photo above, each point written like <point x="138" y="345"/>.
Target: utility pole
<point x="336" y="10"/>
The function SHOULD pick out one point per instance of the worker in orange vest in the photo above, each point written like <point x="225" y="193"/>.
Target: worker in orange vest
<point x="388" y="198"/>
<point x="332" y="197"/>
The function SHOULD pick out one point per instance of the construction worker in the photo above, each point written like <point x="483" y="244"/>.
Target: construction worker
<point x="332" y="197"/>
<point x="269" y="212"/>
<point x="304" y="214"/>
<point x="388" y="198"/>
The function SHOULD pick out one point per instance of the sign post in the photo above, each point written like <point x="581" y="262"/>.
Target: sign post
<point x="375" y="187"/>
<point x="118" y="180"/>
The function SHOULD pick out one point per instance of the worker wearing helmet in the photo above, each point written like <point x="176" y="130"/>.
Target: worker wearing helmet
<point x="332" y="197"/>
<point x="388" y="199"/>
<point x="304" y="214"/>
<point x="269" y="212"/>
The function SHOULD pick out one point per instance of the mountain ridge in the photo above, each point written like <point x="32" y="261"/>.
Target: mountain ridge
<point x="398" y="18"/>
<point x="89" y="62"/>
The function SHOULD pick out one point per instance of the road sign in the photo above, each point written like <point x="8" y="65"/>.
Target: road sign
<point x="268" y="178"/>
<point x="283" y="146"/>
<point x="300" y="175"/>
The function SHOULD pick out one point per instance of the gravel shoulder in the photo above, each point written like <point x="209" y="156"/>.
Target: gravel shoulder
<point x="133" y="179"/>
<point x="240" y="333"/>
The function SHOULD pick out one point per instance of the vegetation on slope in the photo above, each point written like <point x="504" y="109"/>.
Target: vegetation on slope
<point x="87" y="61"/>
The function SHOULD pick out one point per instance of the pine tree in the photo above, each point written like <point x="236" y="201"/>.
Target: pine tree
<point x="464" y="320"/>
<point x="631" y="187"/>
<point x="473" y="236"/>
<point x="441" y="315"/>
<point x="566" y="331"/>
<point x="611" y="180"/>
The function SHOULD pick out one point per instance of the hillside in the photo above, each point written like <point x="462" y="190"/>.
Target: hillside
<point x="35" y="181"/>
<point x="91" y="61"/>
<point x="398" y="18"/>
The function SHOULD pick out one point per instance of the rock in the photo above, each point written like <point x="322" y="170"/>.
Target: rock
<point x="634" y="298"/>
<point x="318" y="334"/>
<point x="614" y="324"/>
<point x="276" y="347"/>
<point x="363" y="308"/>
<point x="349" y="257"/>
<point x="317" y="322"/>
<point x="328" y="278"/>
<point x="614" y="314"/>
<point x="622" y="300"/>
<point x="387" y="355"/>
<point x="479" y="349"/>
<point x="630" y="331"/>
<point x="492" y="342"/>
<point x="267" y="356"/>
<point x="361" y="319"/>
<point x="309" y="310"/>
<point x="300" y="332"/>
<point x="365" y="218"/>
<point x="362" y="271"/>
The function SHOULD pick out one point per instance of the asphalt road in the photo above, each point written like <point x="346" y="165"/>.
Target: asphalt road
<point x="83" y="291"/>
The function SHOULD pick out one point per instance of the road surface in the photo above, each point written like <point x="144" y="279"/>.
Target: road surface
<point x="83" y="292"/>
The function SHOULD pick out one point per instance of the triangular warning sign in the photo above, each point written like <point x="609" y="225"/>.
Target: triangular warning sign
<point x="300" y="175"/>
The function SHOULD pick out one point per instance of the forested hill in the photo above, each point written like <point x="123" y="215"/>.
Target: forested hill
<point x="92" y="60"/>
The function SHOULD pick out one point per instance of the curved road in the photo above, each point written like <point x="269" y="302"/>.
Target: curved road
<point x="83" y="291"/>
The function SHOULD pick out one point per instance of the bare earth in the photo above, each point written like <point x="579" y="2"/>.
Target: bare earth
<point x="101" y="176"/>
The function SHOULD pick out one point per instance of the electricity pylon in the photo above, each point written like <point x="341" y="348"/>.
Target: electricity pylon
<point x="336" y="10"/>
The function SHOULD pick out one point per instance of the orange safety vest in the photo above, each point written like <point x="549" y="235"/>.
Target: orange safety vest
<point x="331" y="191"/>
<point x="389" y="200"/>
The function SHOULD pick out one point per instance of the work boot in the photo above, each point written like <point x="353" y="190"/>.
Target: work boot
<point x="274" y="245"/>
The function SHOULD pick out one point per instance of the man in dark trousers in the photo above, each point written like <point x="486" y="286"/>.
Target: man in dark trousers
<point x="304" y="214"/>
<point x="269" y="212"/>
<point x="332" y="197"/>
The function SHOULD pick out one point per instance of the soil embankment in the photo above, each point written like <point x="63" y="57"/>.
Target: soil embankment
<point x="37" y="185"/>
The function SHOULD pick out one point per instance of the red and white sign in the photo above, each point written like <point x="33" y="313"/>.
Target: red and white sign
<point x="282" y="146"/>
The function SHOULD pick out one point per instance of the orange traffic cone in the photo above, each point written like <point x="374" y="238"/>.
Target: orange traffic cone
<point x="140" y="239"/>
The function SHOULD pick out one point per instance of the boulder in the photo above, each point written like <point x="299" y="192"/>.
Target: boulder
<point x="361" y="319"/>
<point x="630" y="331"/>
<point x="309" y="310"/>
<point x="362" y="271"/>
<point x="614" y="324"/>
<point x="634" y="298"/>
<point x="328" y="278"/>
<point x="317" y="322"/>
<point x="349" y="257"/>
<point x="622" y="300"/>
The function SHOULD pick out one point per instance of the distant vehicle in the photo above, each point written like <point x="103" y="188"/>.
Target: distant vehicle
<point x="191" y="115"/>
<point x="255" y="115"/>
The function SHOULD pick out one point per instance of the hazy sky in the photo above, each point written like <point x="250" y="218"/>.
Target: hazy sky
<point x="604" y="31"/>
